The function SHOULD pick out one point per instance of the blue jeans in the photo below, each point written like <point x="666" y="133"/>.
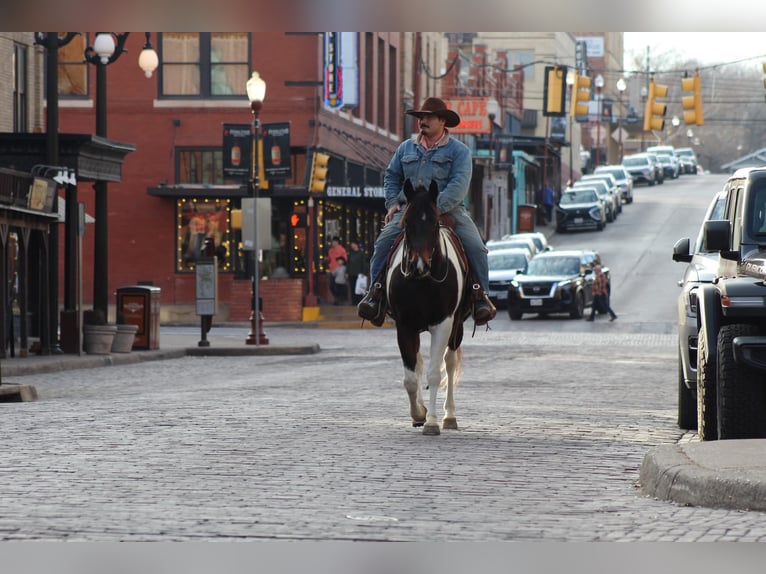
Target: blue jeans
<point x="465" y="229"/>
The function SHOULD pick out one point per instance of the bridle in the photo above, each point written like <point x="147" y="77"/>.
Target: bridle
<point x="405" y="265"/>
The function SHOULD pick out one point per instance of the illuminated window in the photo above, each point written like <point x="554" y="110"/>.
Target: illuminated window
<point x="203" y="229"/>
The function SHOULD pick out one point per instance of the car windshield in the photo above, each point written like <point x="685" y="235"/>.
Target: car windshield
<point x="566" y="265"/>
<point x="499" y="261"/>
<point x="579" y="196"/>
<point x="509" y="244"/>
<point x="635" y="161"/>
<point x="617" y="173"/>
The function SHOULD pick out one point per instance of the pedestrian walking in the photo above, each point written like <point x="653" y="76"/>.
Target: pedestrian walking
<point x="355" y="266"/>
<point x="600" y="296"/>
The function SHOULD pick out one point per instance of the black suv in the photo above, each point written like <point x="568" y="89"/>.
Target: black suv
<point x="731" y="316"/>
<point x="555" y="282"/>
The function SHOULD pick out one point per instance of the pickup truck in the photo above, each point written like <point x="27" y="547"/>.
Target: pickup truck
<point x="731" y="316"/>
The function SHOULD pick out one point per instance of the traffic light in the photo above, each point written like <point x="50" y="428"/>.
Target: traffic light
<point x="580" y="93"/>
<point x="554" y="95"/>
<point x="654" y="113"/>
<point x="318" y="177"/>
<point x="298" y="219"/>
<point x="692" y="104"/>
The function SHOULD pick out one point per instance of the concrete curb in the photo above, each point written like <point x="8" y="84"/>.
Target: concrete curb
<point x="720" y="474"/>
<point x="251" y="350"/>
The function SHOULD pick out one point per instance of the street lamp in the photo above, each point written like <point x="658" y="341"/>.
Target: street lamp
<point x="570" y="83"/>
<point x="103" y="52"/>
<point x="599" y="85"/>
<point x="256" y="91"/>
<point x="147" y="59"/>
<point x="621" y="87"/>
<point x="52" y="41"/>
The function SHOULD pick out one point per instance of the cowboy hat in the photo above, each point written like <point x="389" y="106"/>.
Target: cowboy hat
<point x="438" y="108"/>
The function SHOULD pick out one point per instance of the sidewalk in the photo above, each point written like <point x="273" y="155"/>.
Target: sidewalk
<point x="175" y="342"/>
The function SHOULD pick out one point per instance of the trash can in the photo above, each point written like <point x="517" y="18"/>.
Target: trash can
<point x="525" y="217"/>
<point x="140" y="305"/>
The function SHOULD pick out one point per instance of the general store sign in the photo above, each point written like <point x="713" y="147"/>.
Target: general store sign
<point x="474" y="116"/>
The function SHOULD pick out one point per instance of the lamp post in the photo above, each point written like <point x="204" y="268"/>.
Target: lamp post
<point x="570" y="83"/>
<point x="256" y="91"/>
<point x="644" y="95"/>
<point x="103" y="52"/>
<point x="311" y="299"/>
<point x="599" y="85"/>
<point x="621" y="87"/>
<point x="51" y="41"/>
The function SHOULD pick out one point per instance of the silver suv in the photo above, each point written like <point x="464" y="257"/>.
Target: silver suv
<point x="702" y="267"/>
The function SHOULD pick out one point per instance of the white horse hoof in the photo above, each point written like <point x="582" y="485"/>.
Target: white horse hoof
<point x="449" y="423"/>
<point x="431" y="429"/>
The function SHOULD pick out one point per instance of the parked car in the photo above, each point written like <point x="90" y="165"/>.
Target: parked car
<point x="688" y="160"/>
<point x="558" y="281"/>
<point x="514" y="243"/>
<point x="702" y="267"/>
<point x="640" y="168"/>
<point x="659" y="172"/>
<point x="504" y="264"/>
<point x="580" y="208"/>
<point x="607" y="194"/>
<point x="614" y="189"/>
<point x="666" y="154"/>
<point x="540" y="239"/>
<point x="623" y="178"/>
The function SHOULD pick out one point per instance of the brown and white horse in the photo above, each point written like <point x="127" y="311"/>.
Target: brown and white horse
<point x="426" y="281"/>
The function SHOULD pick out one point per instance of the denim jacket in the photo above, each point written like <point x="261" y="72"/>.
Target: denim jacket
<point x="449" y="164"/>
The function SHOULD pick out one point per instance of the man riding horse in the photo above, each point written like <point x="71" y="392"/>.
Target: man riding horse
<point x="432" y="154"/>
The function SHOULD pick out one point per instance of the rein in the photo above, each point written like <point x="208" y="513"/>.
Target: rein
<point x="405" y="273"/>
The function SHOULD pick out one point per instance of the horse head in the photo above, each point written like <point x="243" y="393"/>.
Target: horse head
<point x="421" y="230"/>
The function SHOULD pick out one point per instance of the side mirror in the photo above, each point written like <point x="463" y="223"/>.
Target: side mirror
<point x="716" y="235"/>
<point x="681" y="250"/>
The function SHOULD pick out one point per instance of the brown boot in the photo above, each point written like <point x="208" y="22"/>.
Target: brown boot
<point x="483" y="309"/>
<point x="373" y="306"/>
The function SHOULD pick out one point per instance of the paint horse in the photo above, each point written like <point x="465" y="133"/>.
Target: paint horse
<point x="427" y="291"/>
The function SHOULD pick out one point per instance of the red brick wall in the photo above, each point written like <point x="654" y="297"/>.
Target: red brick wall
<point x="282" y="300"/>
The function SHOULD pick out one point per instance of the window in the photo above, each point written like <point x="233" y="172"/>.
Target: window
<point x="72" y="68"/>
<point x="204" y="64"/>
<point x="203" y="228"/>
<point x="19" y="88"/>
<point x="199" y="166"/>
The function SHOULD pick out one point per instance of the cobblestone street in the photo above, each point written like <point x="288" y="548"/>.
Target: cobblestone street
<point x="320" y="447"/>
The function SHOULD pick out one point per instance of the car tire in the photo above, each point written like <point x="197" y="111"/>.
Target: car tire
<point x="578" y="306"/>
<point x="651" y="183"/>
<point x="687" y="401"/>
<point x="514" y="315"/>
<point x="707" y="401"/>
<point x="741" y="390"/>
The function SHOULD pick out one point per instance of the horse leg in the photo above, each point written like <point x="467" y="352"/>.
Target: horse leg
<point x="409" y="347"/>
<point x="436" y="373"/>
<point x="452" y="360"/>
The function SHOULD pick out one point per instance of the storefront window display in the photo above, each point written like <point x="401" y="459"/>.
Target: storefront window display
<point x="203" y="226"/>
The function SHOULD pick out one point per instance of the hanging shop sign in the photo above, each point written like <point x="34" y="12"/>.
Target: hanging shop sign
<point x="237" y="148"/>
<point x="473" y="112"/>
<point x="333" y="72"/>
<point x="276" y="150"/>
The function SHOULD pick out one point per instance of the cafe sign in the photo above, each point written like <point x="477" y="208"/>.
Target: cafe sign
<point x="473" y="112"/>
